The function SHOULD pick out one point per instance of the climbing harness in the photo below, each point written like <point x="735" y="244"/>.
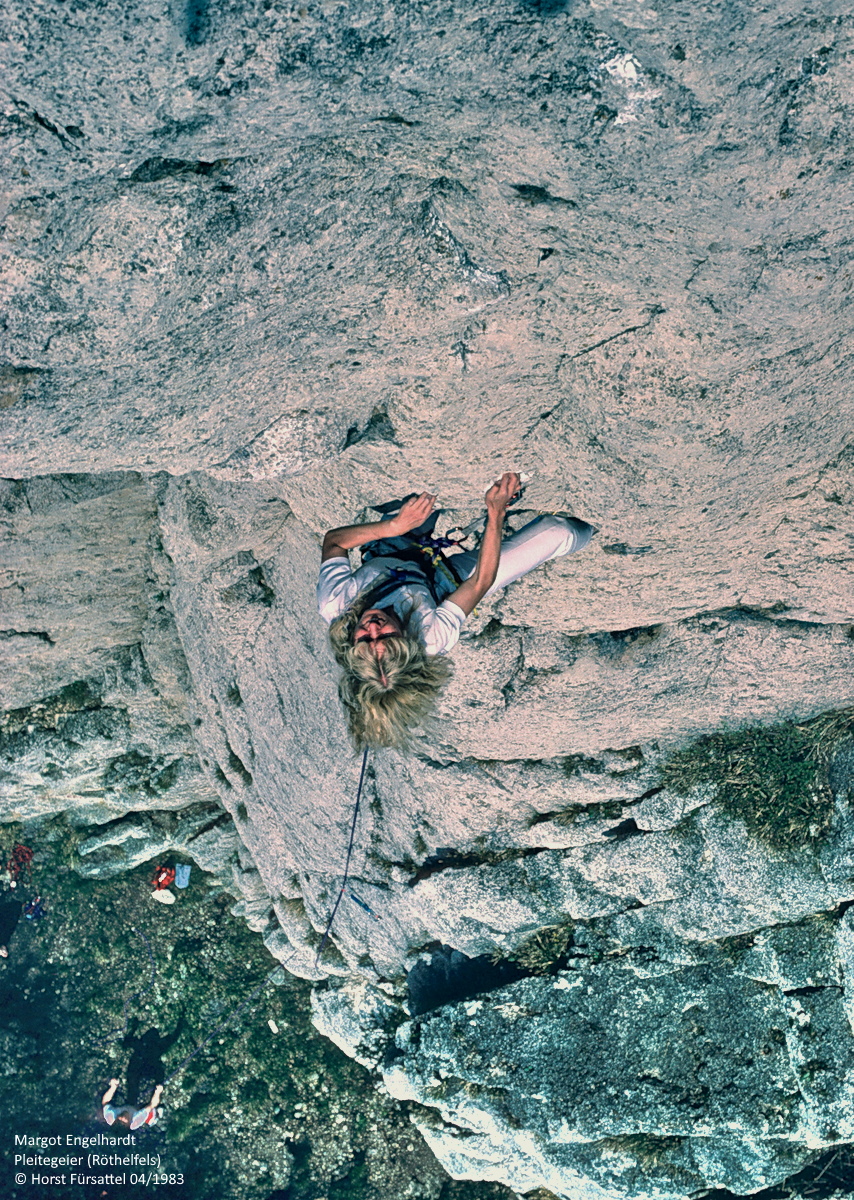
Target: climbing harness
<point x="422" y="564"/>
<point x="328" y="928"/>
<point x="390" y="581"/>
<point x="442" y="565"/>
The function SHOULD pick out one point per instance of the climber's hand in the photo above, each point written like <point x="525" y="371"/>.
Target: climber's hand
<point x="413" y="513"/>
<point x="502" y="493"/>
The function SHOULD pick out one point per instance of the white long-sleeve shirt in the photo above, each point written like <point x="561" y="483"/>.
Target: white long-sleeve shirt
<point x="546" y="537"/>
<point x="338" y="586"/>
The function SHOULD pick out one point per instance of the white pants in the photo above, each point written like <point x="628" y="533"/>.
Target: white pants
<point x="538" y="542"/>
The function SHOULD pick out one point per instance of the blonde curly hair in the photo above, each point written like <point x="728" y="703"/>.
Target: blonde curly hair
<point x="385" y="698"/>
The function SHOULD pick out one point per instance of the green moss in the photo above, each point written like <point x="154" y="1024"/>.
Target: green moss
<point x="163" y="780"/>
<point x="653" y="1155"/>
<point x="733" y="949"/>
<point x="541" y="953"/>
<point x="235" y="1112"/>
<point x="449" y="1086"/>
<point x="774" y="778"/>
<point x="46" y="713"/>
<point x="610" y="810"/>
<point x="574" y="764"/>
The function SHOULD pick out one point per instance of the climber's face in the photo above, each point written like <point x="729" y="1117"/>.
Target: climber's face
<point x="375" y="626"/>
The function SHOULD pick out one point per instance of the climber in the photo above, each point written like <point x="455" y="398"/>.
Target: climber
<point x="393" y="619"/>
<point x="126" y="1114"/>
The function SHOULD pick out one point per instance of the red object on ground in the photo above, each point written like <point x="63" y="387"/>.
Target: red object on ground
<point x="162" y="878"/>
<point x="19" y="860"/>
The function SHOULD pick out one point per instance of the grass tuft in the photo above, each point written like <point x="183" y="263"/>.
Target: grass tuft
<point x="652" y="1153"/>
<point x="774" y="778"/>
<point x="541" y="953"/>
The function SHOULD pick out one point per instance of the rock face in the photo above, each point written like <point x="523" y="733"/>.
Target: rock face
<point x="268" y="266"/>
<point x="630" y="1073"/>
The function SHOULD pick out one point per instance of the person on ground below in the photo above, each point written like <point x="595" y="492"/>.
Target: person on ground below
<point x="392" y="621"/>
<point x="126" y="1114"/>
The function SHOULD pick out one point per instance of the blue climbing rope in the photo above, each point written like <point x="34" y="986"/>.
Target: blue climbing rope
<point x="236" y="1012"/>
<point x="244" y="1004"/>
<point x="328" y="928"/>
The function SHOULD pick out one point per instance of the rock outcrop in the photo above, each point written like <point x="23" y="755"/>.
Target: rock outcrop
<point x="268" y="266"/>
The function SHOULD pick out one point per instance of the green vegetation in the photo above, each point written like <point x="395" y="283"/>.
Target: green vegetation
<point x="541" y="953"/>
<point x="653" y="1154"/>
<point x="255" y="1114"/>
<point x="774" y="778"/>
<point x="610" y="810"/>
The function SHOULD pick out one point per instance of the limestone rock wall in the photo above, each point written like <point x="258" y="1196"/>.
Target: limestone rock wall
<point x="265" y="266"/>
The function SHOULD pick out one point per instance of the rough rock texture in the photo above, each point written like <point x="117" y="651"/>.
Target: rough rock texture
<point x="626" y="1072"/>
<point x="714" y="1088"/>
<point x="268" y="265"/>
